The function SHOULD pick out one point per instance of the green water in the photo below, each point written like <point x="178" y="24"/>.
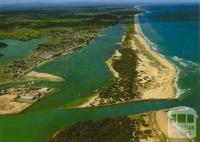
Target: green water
<point x="84" y="71"/>
<point x="17" y="49"/>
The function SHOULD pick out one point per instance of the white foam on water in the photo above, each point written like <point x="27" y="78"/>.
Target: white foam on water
<point x="180" y="61"/>
<point x="183" y="62"/>
<point x="175" y="58"/>
<point x="179" y="91"/>
<point x="193" y="63"/>
<point x="150" y="43"/>
<point x="138" y="7"/>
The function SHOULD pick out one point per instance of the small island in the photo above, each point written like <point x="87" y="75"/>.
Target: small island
<point x="3" y="45"/>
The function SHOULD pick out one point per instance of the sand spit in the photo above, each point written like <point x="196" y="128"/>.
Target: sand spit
<point x="90" y="100"/>
<point x="43" y="76"/>
<point x="116" y="56"/>
<point x="156" y="75"/>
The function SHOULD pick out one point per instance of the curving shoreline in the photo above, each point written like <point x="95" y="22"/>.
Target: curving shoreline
<point x="169" y="69"/>
<point x="161" y="117"/>
<point x="156" y="77"/>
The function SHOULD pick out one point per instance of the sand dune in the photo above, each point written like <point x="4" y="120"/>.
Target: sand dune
<point x="160" y="72"/>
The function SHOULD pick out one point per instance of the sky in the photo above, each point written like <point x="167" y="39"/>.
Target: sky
<point x="61" y="1"/>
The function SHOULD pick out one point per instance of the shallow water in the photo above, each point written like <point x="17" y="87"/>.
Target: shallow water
<point x="178" y="40"/>
<point x="85" y="71"/>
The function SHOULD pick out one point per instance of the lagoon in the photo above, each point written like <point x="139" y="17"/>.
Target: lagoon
<point x="85" y="71"/>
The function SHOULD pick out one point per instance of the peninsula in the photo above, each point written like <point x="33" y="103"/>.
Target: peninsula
<point x="139" y="73"/>
<point x="64" y="34"/>
<point x="87" y="73"/>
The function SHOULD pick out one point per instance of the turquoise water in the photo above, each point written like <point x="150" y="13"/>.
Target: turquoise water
<point x="178" y="40"/>
<point x="17" y="49"/>
<point x="85" y="71"/>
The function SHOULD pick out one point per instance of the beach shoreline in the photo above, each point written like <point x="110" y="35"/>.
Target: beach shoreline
<point x="163" y="74"/>
<point x="172" y="71"/>
<point x="161" y="117"/>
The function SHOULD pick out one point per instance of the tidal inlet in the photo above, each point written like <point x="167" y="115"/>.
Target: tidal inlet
<point x="99" y="71"/>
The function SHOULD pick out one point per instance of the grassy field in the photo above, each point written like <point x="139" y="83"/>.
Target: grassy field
<point x="29" y="24"/>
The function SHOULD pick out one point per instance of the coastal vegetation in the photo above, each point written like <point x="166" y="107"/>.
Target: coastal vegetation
<point x="66" y="30"/>
<point x="123" y="88"/>
<point x="138" y="72"/>
<point x="132" y="78"/>
<point x="133" y="128"/>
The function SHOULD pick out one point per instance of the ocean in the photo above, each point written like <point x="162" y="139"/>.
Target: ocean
<point x="174" y="31"/>
<point x="85" y="71"/>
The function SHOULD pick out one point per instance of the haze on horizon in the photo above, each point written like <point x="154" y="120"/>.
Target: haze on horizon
<point x="93" y="1"/>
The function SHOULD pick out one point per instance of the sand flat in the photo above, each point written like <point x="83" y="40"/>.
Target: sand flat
<point x="43" y="76"/>
<point x="9" y="106"/>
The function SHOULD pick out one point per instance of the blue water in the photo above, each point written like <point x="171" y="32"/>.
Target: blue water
<point x="85" y="70"/>
<point x="174" y="31"/>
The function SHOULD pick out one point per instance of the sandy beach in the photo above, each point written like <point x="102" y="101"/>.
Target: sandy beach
<point x="9" y="106"/>
<point x="156" y="80"/>
<point x="90" y="100"/>
<point x="117" y="55"/>
<point x="164" y="74"/>
<point x="156" y="75"/>
<point x="33" y="75"/>
<point x="160" y="72"/>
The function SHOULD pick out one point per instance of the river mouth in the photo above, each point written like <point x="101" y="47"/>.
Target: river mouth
<point x="84" y="71"/>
